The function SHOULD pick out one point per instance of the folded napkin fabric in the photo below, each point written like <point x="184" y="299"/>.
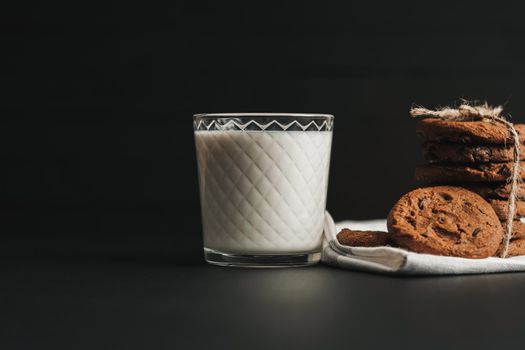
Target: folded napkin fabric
<point x="396" y="261"/>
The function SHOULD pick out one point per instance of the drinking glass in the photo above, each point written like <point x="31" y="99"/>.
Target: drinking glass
<point x="263" y="180"/>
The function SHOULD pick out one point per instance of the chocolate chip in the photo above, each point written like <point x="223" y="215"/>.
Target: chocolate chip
<point x="482" y="154"/>
<point x="482" y="167"/>
<point x="476" y="231"/>
<point x="430" y="154"/>
<point x="446" y="196"/>
<point x="432" y="157"/>
<point x="504" y="171"/>
<point x="465" y="139"/>
<point x="446" y="233"/>
<point x="420" y="204"/>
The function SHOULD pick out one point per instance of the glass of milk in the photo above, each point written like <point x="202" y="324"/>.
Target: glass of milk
<point x="263" y="180"/>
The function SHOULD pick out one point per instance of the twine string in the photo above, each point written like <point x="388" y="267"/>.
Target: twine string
<point x="484" y="112"/>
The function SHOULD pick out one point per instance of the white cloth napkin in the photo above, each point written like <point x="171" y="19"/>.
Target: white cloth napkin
<point x="398" y="261"/>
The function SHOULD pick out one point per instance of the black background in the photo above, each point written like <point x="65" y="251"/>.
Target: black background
<point x="100" y="241"/>
<point x="96" y="129"/>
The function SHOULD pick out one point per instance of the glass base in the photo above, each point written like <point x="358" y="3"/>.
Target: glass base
<point x="264" y="260"/>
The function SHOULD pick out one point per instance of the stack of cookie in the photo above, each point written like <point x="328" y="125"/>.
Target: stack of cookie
<point x="477" y="155"/>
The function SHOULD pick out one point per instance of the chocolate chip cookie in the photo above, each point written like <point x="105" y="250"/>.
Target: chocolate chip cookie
<point x="516" y="247"/>
<point x="518" y="229"/>
<point x="431" y="129"/>
<point x="500" y="207"/>
<point x="445" y="220"/>
<point x="434" y="152"/>
<point x="495" y="190"/>
<point x="363" y="238"/>
<point x="475" y="172"/>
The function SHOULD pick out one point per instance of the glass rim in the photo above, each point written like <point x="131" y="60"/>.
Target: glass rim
<point x="266" y="115"/>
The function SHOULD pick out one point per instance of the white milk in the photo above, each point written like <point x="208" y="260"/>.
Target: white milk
<point x="263" y="192"/>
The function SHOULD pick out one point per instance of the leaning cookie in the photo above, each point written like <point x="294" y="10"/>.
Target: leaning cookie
<point x="437" y="130"/>
<point x="496" y="190"/>
<point x="363" y="238"/>
<point x="475" y="172"/>
<point x="434" y="152"/>
<point x="516" y="247"/>
<point x="501" y="208"/>
<point x="445" y="220"/>
<point x="518" y="229"/>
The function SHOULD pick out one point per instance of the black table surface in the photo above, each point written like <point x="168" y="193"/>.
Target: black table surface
<point x="146" y="294"/>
